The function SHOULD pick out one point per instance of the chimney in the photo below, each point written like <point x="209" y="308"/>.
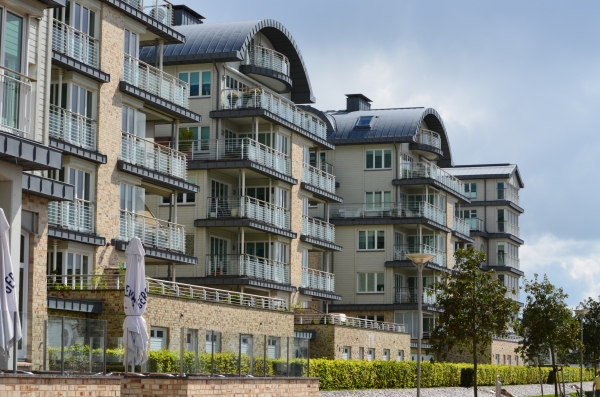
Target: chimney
<point x="183" y="15"/>
<point x="356" y="102"/>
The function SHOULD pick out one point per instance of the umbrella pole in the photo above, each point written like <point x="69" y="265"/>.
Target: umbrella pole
<point x="125" y="348"/>
<point x="16" y="314"/>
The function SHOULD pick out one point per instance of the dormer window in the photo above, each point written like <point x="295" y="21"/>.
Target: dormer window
<point x="365" y="122"/>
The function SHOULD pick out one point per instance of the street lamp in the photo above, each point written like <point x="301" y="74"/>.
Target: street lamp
<point x="419" y="260"/>
<point x="580" y="313"/>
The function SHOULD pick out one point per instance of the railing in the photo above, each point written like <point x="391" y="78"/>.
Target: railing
<point x="274" y="103"/>
<point x="317" y="279"/>
<point x="342" y="319"/>
<point x="154" y="232"/>
<point x="248" y="266"/>
<point x="266" y="58"/>
<point x="411" y="295"/>
<point x="508" y="227"/>
<point x="371" y="210"/>
<point x="318" y="178"/>
<point x="413" y="170"/>
<point x="72" y="127"/>
<point x="236" y="148"/>
<point x="508" y="338"/>
<point x="461" y="226"/>
<point x="152" y="155"/>
<point x="504" y="259"/>
<point x="248" y="207"/>
<point x="155" y="81"/>
<point x="160" y="10"/>
<point x="475" y="224"/>
<point x="509" y="193"/>
<point x="77" y="215"/>
<point x="400" y="252"/>
<point x="15" y="101"/>
<point x="165" y="288"/>
<point x="428" y="137"/>
<point x="75" y="44"/>
<point x="316" y="228"/>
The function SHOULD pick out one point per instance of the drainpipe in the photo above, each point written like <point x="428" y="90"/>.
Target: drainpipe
<point x="487" y="248"/>
<point x="48" y="80"/>
<point x="396" y="188"/>
<point x="218" y="96"/>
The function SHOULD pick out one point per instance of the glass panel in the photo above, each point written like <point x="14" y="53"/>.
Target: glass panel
<point x="205" y="83"/>
<point x="362" y="240"/>
<point x="378" y="159"/>
<point x="380" y="282"/>
<point x="380" y="239"/>
<point x="362" y="282"/>
<point x="369" y="159"/>
<point x="387" y="159"/>
<point x="195" y="84"/>
<point x="370" y="282"/>
<point x="371" y="239"/>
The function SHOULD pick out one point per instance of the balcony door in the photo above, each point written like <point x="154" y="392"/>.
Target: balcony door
<point x="219" y="262"/>
<point x="15" y="92"/>
<point x="23" y="293"/>
<point x="80" y="214"/>
<point x="133" y="223"/>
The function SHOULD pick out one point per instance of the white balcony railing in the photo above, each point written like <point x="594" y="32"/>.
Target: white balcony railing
<point x="417" y="169"/>
<point x="75" y="44"/>
<point x="461" y="226"/>
<point x="475" y="224"/>
<point x="15" y="102"/>
<point x="342" y="319"/>
<point x="384" y="210"/>
<point x="75" y="215"/>
<point x="236" y="148"/>
<point x="248" y="207"/>
<point x="428" y="137"/>
<point x="153" y="156"/>
<point x="504" y="259"/>
<point x="248" y="266"/>
<point x="154" y="232"/>
<point x="317" y="279"/>
<point x="266" y="58"/>
<point x="274" y="103"/>
<point x="318" y="178"/>
<point x="411" y="295"/>
<point x="72" y="127"/>
<point x="155" y="81"/>
<point x="509" y="193"/>
<point x="507" y="227"/>
<point x="160" y="10"/>
<point x="317" y="228"/>
<point x="400" y="252"/>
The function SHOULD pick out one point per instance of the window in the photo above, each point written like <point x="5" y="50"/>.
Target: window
<point x="386" y="354"/>
<point x="273" y="347"/>
<point x="516" y="360"/>
<point x="400" y="356"/>
<point x="497" y="359"/>
<point x="158" y="338"/>
<point x="378" y="159"/>
<point x="467" y="214"/>
<point x="377" y="201"/>
<point x="501" y="194"/>
<point x="182" y="198"/>
<point x="189" y="244"/>
<point x="191" y="340"/>
<point x="213" y="341"/>
<point x="364" y="122"/>
<point x="471" y="190"/>
<point x="370" y="282"/>
<point x="361" y="353"/>
<point x="370" y="354"/>
<point x="508" y="360"/>
<point x="371" y="240"/>
<point x="347" y="353"/>
<point x="372" y="317"/>
<point x="199" y="83"/>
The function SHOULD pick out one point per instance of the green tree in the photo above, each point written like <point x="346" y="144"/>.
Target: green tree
<point x="591" y="333"/>
<point x="472" y="307"/>
<point x="547" y="324"/>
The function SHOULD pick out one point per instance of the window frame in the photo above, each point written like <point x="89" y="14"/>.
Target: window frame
<point x="377" y="280"/>
<point x="469" y="192"/>
<point x="186" y="76"/>
<point x="373" y="160"/>
<point x="378" y="240"/>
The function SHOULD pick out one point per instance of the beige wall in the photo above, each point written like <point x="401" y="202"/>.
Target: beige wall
<point x="503" y="349"/>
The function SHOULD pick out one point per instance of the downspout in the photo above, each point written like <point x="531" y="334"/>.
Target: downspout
<point x="485" y="221"/>
<point x="397" y="188"/>
<point x="218" y="95"/>
<point x="48" y="80"/>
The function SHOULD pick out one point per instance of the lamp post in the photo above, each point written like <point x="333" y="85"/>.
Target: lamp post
<point x="419" y="260"/>
<point x="580" y="313"/>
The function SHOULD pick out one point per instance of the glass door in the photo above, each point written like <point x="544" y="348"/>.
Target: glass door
<point x="23" y="294"/>
<point x="219" y="263"/>
<point x="14" y="92"/>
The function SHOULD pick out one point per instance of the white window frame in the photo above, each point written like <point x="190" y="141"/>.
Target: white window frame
<point x="346" y="353"/>
<point x="370" y="354"/>
<point x="154" y="336"/>
<point x="375" y="279"/>
<point x="400" y="355"/>
<point x="469" y="190"/>
<point x="383" y="152"/>
<point x="386" y="355"/>
<point x="200" y="75"/>
<point x="377" y="239"/>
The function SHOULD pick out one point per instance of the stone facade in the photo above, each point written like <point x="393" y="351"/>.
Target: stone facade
<point x="500" y="352"/>
<point x="64" y="386"/>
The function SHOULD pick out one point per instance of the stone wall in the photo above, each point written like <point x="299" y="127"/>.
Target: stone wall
<point x="503" y="349"/>
<point x="64" y="386"/>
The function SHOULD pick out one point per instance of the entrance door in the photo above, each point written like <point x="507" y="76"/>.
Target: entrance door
<point x="23" y="293"/>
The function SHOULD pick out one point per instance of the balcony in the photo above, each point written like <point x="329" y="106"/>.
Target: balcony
<point x="411" y="295"/>
<point x="248" y="207"/>
<point x="509" y="193"/>
<point x="475" y="224"/>
<point x="153" y="156"/>
<point x="428" y="137"/>
<point x="153" y="232"/>
<point x="507" y="227"/>
<point x="77" y="215"/>
<point x="504" y="259"/>
<point x="248" y="266"/>
<point x="461" y="226"/>
<point x="318" y="178"/>
<point x="421" y="170"/>
<point x="400" y="252"/>
<point x="75" y="44"/>
<point x="387" y="210"/>
<point x="72" y="127"/>
<point x="342" y="319"/>
<point x="317" y="279"/>
<point x="15" y="94"/>
<point x="313" y="227"/>
<point x="267" y="58"/>
<point x="160" y="10"/>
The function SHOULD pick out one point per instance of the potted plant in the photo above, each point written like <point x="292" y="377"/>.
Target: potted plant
<point x="251" y="98"/>
<point x="232" y="97"/>
<point x="186" y="137"/>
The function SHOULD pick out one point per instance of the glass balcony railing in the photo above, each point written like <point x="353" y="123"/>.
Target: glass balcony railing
<point x="318" y="229"/>
<point x="317" y="279"/>
<point x="411" y="295"/>
<point x="77" y="215"/>
<point x="509" y="193"/>
<point x="428" y="137"/>
<point x="154" y="232"/>
<point x="248" y="207"/>
<point x="72" y="127"/>
<point x="160" y="10"/>
<point x="155" y="81"/>
<point x="385" y="210"/>
<point x="261" y="98"/>
<point x="318" y="178"/>
<point x="75" y="44"/>
<point x="507" y="227"/>
<point x="267" y="58"/>
<point x="153" y="156"/>
<point x="475" y="224"/>
<point x="504" y="259"/>
<point x="15" y="102"/>
<point x="342" y="319"/>
<point x="400" y="252"/>
<point x="461" y="226"/>
<point x="416" y="170"/>
<point x="248" y="266"/>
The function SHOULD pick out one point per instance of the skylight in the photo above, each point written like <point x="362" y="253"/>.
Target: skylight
<point x="364" y="122"/>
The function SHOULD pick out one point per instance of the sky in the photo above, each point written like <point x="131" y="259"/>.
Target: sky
<point x="514" y="82"/>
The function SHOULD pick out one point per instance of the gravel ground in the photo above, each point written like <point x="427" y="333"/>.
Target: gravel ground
<point x="486" y="391"/>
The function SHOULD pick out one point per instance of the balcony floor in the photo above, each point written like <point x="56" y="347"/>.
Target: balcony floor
<point x="318" y="293"/>
<point x="328" y="245"/>
<point x="238" y="164"/>
<point x="341" y="307"/>
<point x="244" y="222"/>
<point x="432" y="182"/>
<point x="73" y="235"/>
<point x="157" y="178"/>
<point x="236" y="280"/>
<point x="407" y="263"/>
<point x="389" y="220"/>
<point x="322" y="194"/>
<point x="77" y="151"/>
<point x="161" y="254"/>
<point x="66" y="62"/>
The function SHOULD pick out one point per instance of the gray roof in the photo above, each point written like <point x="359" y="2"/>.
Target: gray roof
<point x="482" y="171"/>
<point x="227" y="42"/>
<point x="391" y="125"/>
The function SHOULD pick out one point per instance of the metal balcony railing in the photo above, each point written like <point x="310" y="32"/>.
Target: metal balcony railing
<point x="15" y="102"/>
<point x="509" y="193"/>
<point x="72" y="127"/>
<point x="417" y="169"/>
<point x="428" y="137"/>
<point x="461" y="226"/>
<point x="342" y="319"/>
<point x="317" y="279"/>
<point x="153" y="232"/>
<point x="400" y="252"/>
<point x="234" y="149"/>
<point x="318" y="178"/>
<point x="160" y="10"/>
<point x="411" y="295"/>
<point x="155" y="81"/>
<point x="248" y="266"/>
<point x="75" y="215"/>
<point x="266" y="58"/>
<point x="75" y="44"/>
<point x="504" y="259"/>
<point x="507" y="227"/>
<point x="153" y="156"/>
<point x="475" y="224"/>
<point x="274" y="103"/>
<point x="317" y="228"/>
<point x="248" y="207"/>
<point x="372" y="210"/>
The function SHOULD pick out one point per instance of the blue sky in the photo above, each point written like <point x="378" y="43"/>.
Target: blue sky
<point x="514" y="82"/>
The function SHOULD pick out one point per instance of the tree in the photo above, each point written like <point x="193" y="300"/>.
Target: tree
<point x="547" y="325"/>
<point x="472" y="307"/>
<point x="591" y="333"/>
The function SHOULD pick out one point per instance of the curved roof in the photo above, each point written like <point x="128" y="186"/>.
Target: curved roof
<point x="227" y="42"/>
<point x="391" y="125"/>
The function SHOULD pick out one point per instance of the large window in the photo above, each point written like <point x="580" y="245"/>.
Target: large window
<point x="182" y="198"/>
<point x="371" y="240"/>
<point x="378" y="159"/>
<point x="372" y="317"/>
<point x="377" y="201"/>
<point x="471" y="190"/>
<point x="199" y="82"/>
<point x="370" y="282"/>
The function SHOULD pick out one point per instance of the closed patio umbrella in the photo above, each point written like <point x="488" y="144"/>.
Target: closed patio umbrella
<point x="135" y="332"/>
<point x="8" y="294"/>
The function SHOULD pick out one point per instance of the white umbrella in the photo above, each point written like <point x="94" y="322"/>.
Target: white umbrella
<point x="8" y="293"/>
<point x="135" y="332"/>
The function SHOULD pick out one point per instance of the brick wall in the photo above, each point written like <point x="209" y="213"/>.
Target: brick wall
<point x="40" y="385"/>
<point x="501" y="348"/>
